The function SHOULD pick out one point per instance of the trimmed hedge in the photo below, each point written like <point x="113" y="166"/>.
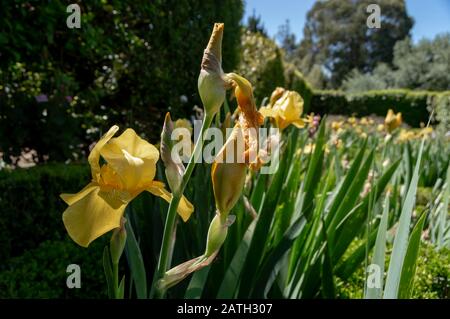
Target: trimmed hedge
<point x="41" y="272"/>
<point x="38" y="189"/>
<point x="441" y="105"/>
<point x="414" y="105"/>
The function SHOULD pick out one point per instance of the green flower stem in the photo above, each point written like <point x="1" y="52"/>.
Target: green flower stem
<point x="168" y="238"/>
<point x="116" y="280"/>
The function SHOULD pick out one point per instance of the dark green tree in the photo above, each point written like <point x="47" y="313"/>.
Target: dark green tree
<point x="129" y="63"/>
<point x="255" y="24"/>
<point x="337" y="37"/>
<point x="424" y="66"/>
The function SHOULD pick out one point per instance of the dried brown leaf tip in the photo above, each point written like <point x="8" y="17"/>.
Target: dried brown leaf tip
<point x="212" y="56"/>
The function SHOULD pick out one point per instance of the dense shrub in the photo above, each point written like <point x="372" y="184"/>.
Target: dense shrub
<point x="30" y="207"/>
<point x="329" y="102"/>
<point x="297" y="82"/>
<point x="128" y="63"/>
<point x="264" y="65"/>
<point x="433" y="273"/>
<point x="421" y="66"/>
<point x="414" y="105"/>
<point x="440" y="103"/>
<point x="41" y="272"/>
<point x="261" y="63"/>
<point x="432" y="279"/>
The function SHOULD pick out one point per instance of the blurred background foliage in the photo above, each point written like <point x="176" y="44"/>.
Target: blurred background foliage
<point x="129" y="63"/>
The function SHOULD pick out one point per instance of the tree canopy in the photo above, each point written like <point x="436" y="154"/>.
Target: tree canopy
<point x="337" y="38"/>
<point x="424" y="66"/>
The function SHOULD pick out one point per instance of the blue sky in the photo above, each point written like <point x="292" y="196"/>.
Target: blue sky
<point x="431" y="16"/>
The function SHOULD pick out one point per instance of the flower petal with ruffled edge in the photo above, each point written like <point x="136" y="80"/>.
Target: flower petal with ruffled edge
<point x="91" y="214"/>
<point x="185" y="208"/>
<point x="94" y="156"/>
<point x="132" y="158"/>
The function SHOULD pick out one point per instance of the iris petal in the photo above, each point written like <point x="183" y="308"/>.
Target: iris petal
<point x="185" y="208"/>
<point x="132" y="158"/>
<point x="89" y="216"/>
<point x="94" y="156"/>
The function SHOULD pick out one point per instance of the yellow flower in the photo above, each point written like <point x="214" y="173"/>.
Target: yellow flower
<point x="228" y="174"/>
<point x="129" y="169"/>
<point x="392" y="120"/>
<point x="336" y="125"/>
<point x="364" y="121"/>
<point x="276" y="94"/>
<point x="228" y="177"/>
<point x="406" y="135"/>
<point x="380" y="128"/>
<point x="285" y="108"/>
<point x="425" y="132"/>
<point x="228" y="170"/>
<point x="249" y="118"/>
<point x="352" y="120"/>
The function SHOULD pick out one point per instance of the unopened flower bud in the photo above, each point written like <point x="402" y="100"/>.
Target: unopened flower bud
<point x="174" y="167"/>
<point x="117" y="243"/>
<point x="217" y="233"/>
<point x="228" y="174"/>
<point x="211" y="85"/>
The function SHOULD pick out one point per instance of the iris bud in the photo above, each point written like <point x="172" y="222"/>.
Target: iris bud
<point x="117" y="243"/>
<point x="211" y="85"/>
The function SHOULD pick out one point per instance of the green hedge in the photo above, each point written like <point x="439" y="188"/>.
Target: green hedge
<point x="30" y="207"/>
<point x="41" y="272"/>
<point x="432" y="279"/>
<point x="414" y="105"/>
<point x="271" y="76"/>
<point x="441" y="105"/>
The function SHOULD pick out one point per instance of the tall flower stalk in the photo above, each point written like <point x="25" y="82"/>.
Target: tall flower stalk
<point x="212" y="89"/>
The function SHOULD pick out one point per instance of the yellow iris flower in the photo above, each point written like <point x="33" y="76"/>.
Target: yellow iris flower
<point x="392" y="120"/>
<point x="337" y="125"/>
<point x="406" y="135"/>
<point x="285" y="108"/>
<point x="129" y="170"/>
<point x="228" y="176"/>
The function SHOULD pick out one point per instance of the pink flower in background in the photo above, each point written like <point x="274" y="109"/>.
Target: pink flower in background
<point x="41" y="98"/>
